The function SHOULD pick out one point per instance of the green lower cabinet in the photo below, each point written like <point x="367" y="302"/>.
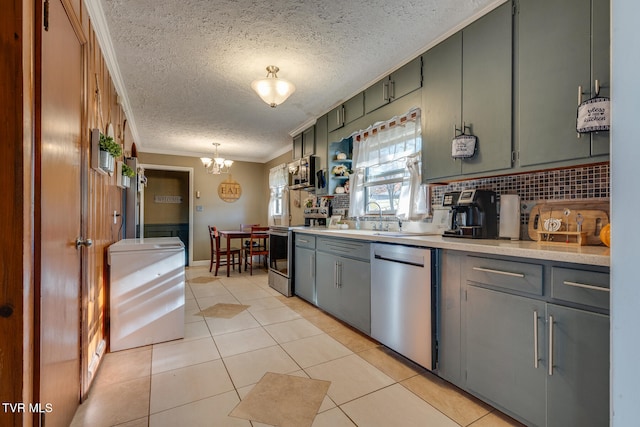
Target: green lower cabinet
<point x="343" y="288"/>
<point x="500" y="352"/>
<point x="305" y="268"/>
<point x="578" y="387"/>
<point x="511" y="339"/>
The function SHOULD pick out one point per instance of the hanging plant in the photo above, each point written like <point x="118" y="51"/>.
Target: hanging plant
<point x="127" y="171"/>
<point x="110" y="146"/>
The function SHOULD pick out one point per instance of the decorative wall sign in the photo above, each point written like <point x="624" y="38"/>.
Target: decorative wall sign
<point x="167" y="199"/>
<point x="229" y="190"/>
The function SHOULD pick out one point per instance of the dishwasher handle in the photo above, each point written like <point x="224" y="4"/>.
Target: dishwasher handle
<point x="399" y="261"/>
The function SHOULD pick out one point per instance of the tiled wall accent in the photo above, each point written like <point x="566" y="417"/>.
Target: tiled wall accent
<point x="580" y="183"/>
<point x="586" y="182"/>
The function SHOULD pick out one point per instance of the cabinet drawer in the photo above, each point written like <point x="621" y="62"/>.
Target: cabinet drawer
<point x="305" y="241"/>
<point x="512" y="275"/>
<point x="580" y="286"/>
<point x="345" y="247"/>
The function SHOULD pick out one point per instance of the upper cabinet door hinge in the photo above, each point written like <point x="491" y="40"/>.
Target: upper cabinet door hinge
<point x="45" y="15"/>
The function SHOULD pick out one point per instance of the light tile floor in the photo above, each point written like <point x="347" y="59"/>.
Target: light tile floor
<point x="198" y="380"/>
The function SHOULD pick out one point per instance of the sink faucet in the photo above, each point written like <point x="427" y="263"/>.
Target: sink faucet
<point x="379" y="213"/>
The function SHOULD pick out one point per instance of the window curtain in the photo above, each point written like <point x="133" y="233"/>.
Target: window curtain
<point x="278" y="194"/>
<point x="413" y="195"/>
<point x="383" y="142"/>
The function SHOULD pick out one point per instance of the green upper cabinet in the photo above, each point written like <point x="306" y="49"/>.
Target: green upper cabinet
<point x="346" y="113"/>
<point x="304" y="143"/>
<point x="297" y="146"/>
<point x="561" y="46"/>
<point x="309" y="141"/>
<point x="468" y="83"/>
<point x="404" y="80"/>
<point x="322" y="135"/>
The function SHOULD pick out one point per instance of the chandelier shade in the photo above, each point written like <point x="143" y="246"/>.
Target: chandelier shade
<point x="273" y="90"/>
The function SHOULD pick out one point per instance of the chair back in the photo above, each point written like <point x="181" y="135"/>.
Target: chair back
<point x="258" y="238"/>
<point x="215" y="238"/>
<point x="247" y="227"/>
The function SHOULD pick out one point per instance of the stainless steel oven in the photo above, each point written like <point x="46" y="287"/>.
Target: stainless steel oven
<point x="280" y="259"/>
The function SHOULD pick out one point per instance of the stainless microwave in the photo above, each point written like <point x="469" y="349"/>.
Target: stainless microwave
<point x="302" y="172"/>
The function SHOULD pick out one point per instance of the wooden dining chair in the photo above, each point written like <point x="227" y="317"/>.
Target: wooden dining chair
<point x="247" y="227"/>
<point x="257" y="247"/>
<point x="219" y="254"/>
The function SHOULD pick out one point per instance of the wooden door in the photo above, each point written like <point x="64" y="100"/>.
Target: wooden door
<point x="59" y="218"/>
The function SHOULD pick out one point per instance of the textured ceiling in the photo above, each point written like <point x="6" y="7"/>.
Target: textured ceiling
<point x="184" y="67"/>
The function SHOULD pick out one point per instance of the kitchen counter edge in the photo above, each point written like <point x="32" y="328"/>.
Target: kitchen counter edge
<point x="588" y="255"/>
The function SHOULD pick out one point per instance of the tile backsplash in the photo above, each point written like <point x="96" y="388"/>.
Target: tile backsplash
<point x="586" y="182"/>
<point x="582" y="183"/>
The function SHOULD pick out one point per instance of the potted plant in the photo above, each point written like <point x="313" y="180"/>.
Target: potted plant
<point x="109" y="150"/>
<point x="127" y="174"/>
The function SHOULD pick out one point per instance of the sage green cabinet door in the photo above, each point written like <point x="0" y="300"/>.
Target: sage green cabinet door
<point x="304" y="279"/>
<point x="354" y="283"/>
<point x="322" y="139"/>
<point x="326" y="270"/>
<point x="449" y="324"/>
<point x="353" y="108"/>
<point x="343" y="288"/>
<point x="600" y="64"/>
<point x="441" y="100"/>
<point x="335" y="118"/>
<point x="578" y="389"/>
<point x="309" y="141"/>
<point x="486" y="89"/>
<point x="554" y="59"/>
<point x="406" y="79"/>
<point x="297" y="146"/>
<point x="500" y="349"/>
<point x="376" y="95"/>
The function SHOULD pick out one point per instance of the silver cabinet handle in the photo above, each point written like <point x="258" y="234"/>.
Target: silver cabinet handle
<point x="503" y="273"/>
<point x="385" y="91"/>
<point x="312" y="261"/>
<point x="335" y="274"/>
<point x="536" y="355"/>
<point x="339" y="275"/>
<point x="392" y="89"/>
<point x="550" y="345"/>
<point x="597" y="87"/>
<point x="585" y="286"/>
<point x="303" y="241"/>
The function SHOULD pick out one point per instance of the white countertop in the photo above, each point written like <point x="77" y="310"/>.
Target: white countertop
<point x="589" y="255"/>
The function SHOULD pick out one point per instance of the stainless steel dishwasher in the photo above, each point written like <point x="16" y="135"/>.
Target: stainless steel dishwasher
<point x="403" y="302"/>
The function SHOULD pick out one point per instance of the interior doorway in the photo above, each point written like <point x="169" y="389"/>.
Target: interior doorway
<point x="58" y="219"/>
<point x="166" y="205"/>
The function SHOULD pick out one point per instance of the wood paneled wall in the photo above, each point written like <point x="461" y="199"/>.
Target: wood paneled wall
<point x="19" y="29"/>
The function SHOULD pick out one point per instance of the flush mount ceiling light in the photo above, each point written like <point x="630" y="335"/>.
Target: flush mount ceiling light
<point x="217" y="165"/>
<point x="271" y="89"/>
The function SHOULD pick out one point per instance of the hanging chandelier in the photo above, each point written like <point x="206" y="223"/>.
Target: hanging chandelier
<point x="271" y="89"/>
<point x="217" y="165"/>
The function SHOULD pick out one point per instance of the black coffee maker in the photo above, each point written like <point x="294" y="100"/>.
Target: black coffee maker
<point x="473" y="214"/>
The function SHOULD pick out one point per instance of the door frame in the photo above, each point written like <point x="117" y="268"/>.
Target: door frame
<point x="148" y="166"/>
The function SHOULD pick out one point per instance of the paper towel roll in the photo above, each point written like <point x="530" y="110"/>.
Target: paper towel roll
<point x="510" y="216"/>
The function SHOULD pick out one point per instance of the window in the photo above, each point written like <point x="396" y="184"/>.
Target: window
<point x="387" y="157"/>
<point x="278" y="196"/>
<point x="383" y="184"/>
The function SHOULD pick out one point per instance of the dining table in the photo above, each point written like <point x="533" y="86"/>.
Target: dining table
<point x="229" y="235"/>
